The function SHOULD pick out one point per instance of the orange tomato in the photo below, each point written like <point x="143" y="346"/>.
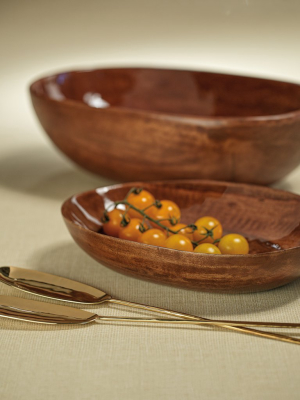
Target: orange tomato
<point x="155" y="237"/>
<point x="209" y="229"/>
<point x="168" y="210"/>
<point x="113" y="225"/>
<point x="183" y="230"/>
<point x="234" y="244"/>
<point x="207" y="248"/>
<point x="132" y="230"/>
<point x="141" y="200"/>
<point x="179" y="242"/>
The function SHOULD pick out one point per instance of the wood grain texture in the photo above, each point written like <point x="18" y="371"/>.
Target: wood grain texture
<point x="269" y="218"/>
<point x="170" y="124"/>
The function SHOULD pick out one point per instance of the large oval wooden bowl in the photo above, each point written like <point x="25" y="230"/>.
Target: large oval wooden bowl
<point x="147" y="124"/>
<point x="269" y="218"/>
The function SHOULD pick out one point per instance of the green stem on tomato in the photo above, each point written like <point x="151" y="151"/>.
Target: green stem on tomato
<point x="209" y="233"/>
<point x="192" y="226"/>
<point x="157" y="222"/>
<point x="132" y="190"/>
<point x="156" y="204"/>
<point x="125" y="221"/>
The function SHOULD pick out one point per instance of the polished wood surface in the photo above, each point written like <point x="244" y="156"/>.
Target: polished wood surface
<point x="269" y="219"/>
<point x="146" y="124"/>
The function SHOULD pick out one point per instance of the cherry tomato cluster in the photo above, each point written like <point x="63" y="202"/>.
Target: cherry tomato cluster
<point x="157" y="222"/>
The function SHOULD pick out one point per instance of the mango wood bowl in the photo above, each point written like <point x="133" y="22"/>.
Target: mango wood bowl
<point x="269" y="219"/>
<point x="147" y="124"/>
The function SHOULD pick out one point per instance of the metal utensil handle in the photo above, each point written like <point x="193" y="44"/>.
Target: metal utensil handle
<point x="255" y="332"/>
<point x="189" y="317"/>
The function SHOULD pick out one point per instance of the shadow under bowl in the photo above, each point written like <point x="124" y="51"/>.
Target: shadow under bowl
<point x="147" y="123"/>
<point x="268" y="218"/>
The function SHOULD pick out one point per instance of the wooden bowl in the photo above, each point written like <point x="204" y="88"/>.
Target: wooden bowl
<point x="269" y="219"/>
<point x="147" y="124"/>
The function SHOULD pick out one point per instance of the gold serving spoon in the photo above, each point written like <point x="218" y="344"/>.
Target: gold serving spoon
<point x="46" y="313"/>
<point x="59" y="288"/>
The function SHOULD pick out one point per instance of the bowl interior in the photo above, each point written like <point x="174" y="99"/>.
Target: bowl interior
<point x="268" y="218"/>
<point x="174" y="92"/>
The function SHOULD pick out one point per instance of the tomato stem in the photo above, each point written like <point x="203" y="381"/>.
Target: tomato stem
<point x="173" y="221"/>
<point x="132" y="190"/>
<point x="157" y="204"/>
<point x="209" y="233"/>
<point x="156" y="221"/>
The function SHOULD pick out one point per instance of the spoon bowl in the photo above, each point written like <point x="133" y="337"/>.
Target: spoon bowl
<point x="51" y="286"/>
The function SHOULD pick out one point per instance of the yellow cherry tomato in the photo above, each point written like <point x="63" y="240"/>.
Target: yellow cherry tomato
<point x="168" y="211"/>
<point x="155" y="237"/>
<point x="179" y="242"/>
<point x="207" y="248"/>
<point x="183" y="230"/>
<point x="140" y="200"/>
<point x="132" y="230"/>
<point x="208" y="230"/>
<point x="113" y="225"/>
<point x="233" y="243"/>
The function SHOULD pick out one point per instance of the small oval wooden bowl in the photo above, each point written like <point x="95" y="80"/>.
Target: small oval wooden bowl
<point x="146" y="124"/>
<point x="269" y="218"/>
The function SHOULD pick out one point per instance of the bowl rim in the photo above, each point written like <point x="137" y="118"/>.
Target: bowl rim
<point x="104" y="189"/>
<point x="212" y="120"/>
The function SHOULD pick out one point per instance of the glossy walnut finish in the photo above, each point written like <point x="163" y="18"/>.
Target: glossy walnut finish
<point x="269" y="219"/>
<point x="146" y="124"/>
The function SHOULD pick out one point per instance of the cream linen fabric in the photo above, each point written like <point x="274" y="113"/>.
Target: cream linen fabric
<point x="113" y="361"/>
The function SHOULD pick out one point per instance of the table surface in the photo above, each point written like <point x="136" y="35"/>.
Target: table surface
<point x="115" y="361"/>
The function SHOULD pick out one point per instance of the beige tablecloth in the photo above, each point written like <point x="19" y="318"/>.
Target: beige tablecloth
<point x="114" y="361"/>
